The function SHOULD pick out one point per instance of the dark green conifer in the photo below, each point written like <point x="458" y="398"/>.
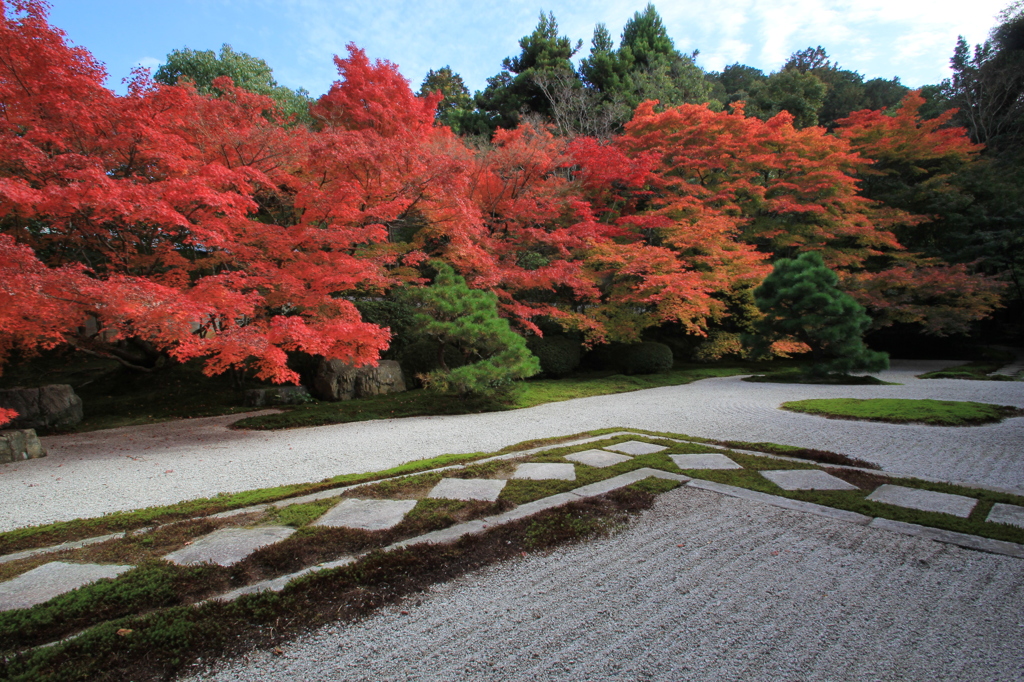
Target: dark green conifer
<point x="801" y="300"/>
<point x="452" y="314"/>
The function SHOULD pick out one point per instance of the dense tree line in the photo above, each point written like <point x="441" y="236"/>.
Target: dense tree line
<point x="212" y="213"/>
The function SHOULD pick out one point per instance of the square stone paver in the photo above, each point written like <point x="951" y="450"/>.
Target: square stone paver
<point x="467" y="489"/>
<point x="45" y="582"/>
<point x="925" y="500"/>
<point x="635" y="447"/>
<point x="537" y="471"/>
<point x="806" y="479"/>
<point x="228" y="546"/>
<point x="1006" y="513"/>
<point x="366" y="514"/>
<point x="704" y="460"/>
<point x="598" y="458"/>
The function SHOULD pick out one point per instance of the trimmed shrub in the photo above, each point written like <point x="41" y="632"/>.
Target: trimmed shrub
<point x="648" y="357"/>
<point x="558" y="355"/>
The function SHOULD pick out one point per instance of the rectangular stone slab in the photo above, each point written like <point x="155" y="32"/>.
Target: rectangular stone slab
<point x="924" y="500"/>
<point x="704" y="460"/>
<point x="1006" y="513"/>
<point x="45" y="582"/>
<point x="538" y="471"/>
<point x="635" y="447"/>
<point x="598" y="458"/>
<point x="467" y="489"/>
<point x="366" y="514"/>
<point x="806" y="479"/>
<point x="228" y="546"/>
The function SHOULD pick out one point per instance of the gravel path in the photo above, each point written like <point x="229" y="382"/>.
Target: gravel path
<point x="121" y="469"/>
<point x="754" y="593"/>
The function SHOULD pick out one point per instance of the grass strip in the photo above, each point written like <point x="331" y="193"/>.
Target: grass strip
<point x="527" y="394"/>
<point x="901" y="411"/>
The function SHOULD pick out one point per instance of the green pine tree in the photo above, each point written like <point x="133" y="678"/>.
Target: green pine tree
<point x="452" y="314"/>
<point x="800" y="299"/>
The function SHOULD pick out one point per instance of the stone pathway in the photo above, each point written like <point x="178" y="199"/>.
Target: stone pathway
<point x="806" y="479"/>
<point x="635" y="447"/>
<point x="534" y="471"/>
<point x="45" y="582"/>
<point x="924" y="500"/>
<point x="230" y="545"/>
<point x="598" y="458"/>
<point x="366" y="514"/>
<point x="1006" y="513"/>
<point x="467" y="489"/>
<point x="704" y="460"/>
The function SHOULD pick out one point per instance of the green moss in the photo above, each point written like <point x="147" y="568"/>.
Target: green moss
<point x="900" y="411"/>
<point x="298" y="515"/>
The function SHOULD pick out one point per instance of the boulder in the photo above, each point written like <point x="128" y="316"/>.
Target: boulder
<point x="281" y="395"/>
<point x="335" y="380"/>
<point x="19" y="444"/>
<point x="47" y="407"/>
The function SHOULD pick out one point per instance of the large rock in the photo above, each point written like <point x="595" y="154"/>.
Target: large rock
<point x="19" y="444"/>
<point x="48" y="407"/>
<point x="335" y="380"/>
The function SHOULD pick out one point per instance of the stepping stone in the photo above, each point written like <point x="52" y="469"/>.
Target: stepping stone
<point x="228" y="546"/>
<point x="924" y="500"/>
<point x="635" y="447"/>
<point x="546" y="472"/>
<point x="704" y="460"/>
<point x="598" y="458"/>
<point x="1006" y="513"/>
<point x="49" y="580"/>
<point x="366" y="514"/>
<point x="467" y="489"/>
<point x="806" y="479"/>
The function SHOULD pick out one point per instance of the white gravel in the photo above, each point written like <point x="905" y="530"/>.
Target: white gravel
<point x="754" y="593"/>
<point x="121" y="469"/>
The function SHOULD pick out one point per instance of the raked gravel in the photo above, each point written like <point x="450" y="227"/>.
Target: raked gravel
<point x="754" y="593"/>
<point x="94" y="473"/>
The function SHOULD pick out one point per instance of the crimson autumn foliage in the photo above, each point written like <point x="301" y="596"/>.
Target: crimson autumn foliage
<point x="202" y="226"/>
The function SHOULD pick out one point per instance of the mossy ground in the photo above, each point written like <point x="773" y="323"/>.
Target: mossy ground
<point x="902" y="411"/>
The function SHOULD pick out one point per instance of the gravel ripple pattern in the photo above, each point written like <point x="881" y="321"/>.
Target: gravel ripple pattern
<point x="95" y="473"/>
<point x="753" y="593"/>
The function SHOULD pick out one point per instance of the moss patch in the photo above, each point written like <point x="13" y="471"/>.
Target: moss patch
<point x="899" y="411"/>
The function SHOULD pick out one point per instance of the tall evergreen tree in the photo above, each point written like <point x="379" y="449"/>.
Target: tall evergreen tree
<point x="453" y="315"/>
<point x="801" y="300"/>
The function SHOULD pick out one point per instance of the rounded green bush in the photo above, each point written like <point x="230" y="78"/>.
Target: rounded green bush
<point x="648" y="357"/>
<point x="558" y="355"/>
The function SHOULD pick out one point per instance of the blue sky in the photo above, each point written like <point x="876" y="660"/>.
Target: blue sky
<point x="912" y="39"/>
